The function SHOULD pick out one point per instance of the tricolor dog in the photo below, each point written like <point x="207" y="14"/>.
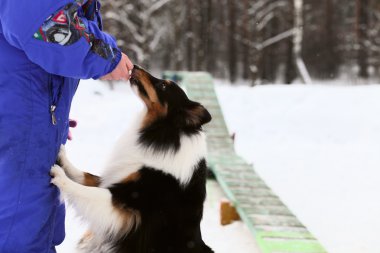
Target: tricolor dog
<point x="150" y="197"/>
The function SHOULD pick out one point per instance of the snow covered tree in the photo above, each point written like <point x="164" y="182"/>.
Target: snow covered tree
<point x="139" y="25"/>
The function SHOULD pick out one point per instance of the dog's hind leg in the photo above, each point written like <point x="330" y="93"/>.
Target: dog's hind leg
<point x="93" y="204"/>
<point x="75" y="174"/>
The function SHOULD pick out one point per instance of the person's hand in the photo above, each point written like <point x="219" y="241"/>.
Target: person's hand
<point x="122" y="70"/>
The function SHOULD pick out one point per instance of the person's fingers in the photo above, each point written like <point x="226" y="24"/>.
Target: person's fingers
<point x="129" y="64"/>
<point x="70" y="136"/>
<point x="124" y="65"/>
<point x="124" y="68"/>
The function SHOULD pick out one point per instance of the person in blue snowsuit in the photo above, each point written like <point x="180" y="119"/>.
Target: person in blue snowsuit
<point x="46" y="46"/>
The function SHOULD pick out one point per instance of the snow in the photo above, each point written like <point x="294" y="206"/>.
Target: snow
<point x="102" y="116"/>
<point x="316" y="146"/>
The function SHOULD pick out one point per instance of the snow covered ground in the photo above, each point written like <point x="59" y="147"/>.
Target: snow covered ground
<point x="316" y="146"/>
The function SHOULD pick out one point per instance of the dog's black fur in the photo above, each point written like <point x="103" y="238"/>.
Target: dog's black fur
<point x="170" y="213"/>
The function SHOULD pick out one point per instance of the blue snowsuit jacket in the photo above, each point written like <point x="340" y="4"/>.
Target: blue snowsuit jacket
<point x="46" y="46"/>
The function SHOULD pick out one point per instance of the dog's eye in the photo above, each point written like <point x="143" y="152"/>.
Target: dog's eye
<point x="163" y="86"/>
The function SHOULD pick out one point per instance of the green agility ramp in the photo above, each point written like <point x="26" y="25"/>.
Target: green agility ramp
<point x="273" y="225"/>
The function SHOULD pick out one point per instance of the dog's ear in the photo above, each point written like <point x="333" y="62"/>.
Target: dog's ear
<point x="196" y="115"/>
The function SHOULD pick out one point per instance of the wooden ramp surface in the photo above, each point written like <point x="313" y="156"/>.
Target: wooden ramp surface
<point x="273" y="225"/>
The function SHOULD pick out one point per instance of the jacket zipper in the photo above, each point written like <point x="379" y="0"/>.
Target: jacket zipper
<point x="54" y="100"/>
<point x="96" y="6"/>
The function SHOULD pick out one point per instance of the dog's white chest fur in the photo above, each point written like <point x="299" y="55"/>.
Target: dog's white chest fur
<point x="129" y="156"/>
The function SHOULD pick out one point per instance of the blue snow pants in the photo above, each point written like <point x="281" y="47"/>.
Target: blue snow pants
<point x="31" y="215"/>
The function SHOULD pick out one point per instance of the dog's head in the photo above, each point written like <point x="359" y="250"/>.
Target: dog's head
<point x="167" y="104"/>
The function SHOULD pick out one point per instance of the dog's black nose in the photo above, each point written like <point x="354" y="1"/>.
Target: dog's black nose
<point x="135" y="68"/>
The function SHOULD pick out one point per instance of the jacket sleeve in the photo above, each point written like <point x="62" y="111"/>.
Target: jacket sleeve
<point x="63" y="37"/>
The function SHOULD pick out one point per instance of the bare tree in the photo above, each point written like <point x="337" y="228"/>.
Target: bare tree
<point x="232" y="45"/>
<point x="290" y="68"/>
<point x="246" y="32"/>
<point x="298" y="37"/>
<point x="362" y="21"/>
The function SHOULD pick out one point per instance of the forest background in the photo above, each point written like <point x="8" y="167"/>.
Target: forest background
<point x="261" y="41"/>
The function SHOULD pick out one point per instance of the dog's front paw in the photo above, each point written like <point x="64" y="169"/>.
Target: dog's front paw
<point x="59" y="177"/>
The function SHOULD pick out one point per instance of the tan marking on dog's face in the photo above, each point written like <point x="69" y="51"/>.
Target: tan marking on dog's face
<point x="155" y="112"/>
<point x="155" y="108"/>
<point x="143" y="77"/>
<point x="91" y="180"/>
